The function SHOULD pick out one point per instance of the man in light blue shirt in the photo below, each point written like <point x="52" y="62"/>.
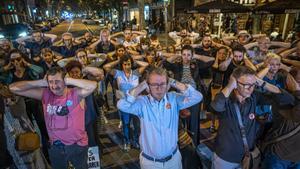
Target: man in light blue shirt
<point x="159" y="113"/>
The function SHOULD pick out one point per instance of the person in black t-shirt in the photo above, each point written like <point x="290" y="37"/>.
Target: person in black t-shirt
<point x="217" y="83"/>
<point x="104" y="44"/>
<point x="206" y="49"/>
<point x="237" y="58"/>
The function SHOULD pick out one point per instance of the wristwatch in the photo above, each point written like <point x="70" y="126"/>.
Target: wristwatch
<point x="264" y="84"/>
<point x="172" y="82"/>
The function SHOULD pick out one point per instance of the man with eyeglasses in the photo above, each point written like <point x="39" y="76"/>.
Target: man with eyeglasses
<point x="229" y="146"/>
<point x="159" y="115"/>
<point x="64" y="112"/>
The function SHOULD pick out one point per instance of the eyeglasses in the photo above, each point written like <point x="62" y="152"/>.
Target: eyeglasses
<point x="18" y="59"/>
<point x="156" y="85"/>
<point x="246" y="86"/>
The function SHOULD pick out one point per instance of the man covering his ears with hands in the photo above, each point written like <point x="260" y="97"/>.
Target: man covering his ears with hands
<point x="239" y="97"/>
<point x="159" y="112"/>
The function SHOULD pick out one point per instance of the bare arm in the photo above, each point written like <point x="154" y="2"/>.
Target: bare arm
<point x="94" y="71"/>
<point x="203" y="58"/>
<point x="292" y="62"/>
<point x="84" y="87"/>
<point x="137" y="57"/>
<point x="218" y="45"/>
<point x="116" y="34"/>
<point x="93" y="45"/>
<point x="51" y="36"/>
<point x="141" y="33"/>
<point x="137" y="90"/>
<point x="177" y="85"/>
<point x="132" y="51"/>
<point x="171" y="57"/>
<point x="280" y="44"/>
<point x="249" y="63"/>
<point x="287" y="52"/>
<point x="256" y="36"/>
<point x="143" y="66"/>
<point x="109" y="67"/>
<point x="31" y="89"/>
<point x="251" y="45"/>
<point x="114" y="42"/>
<point x="224" y="65"/>
<point x="262" y="73"/>
<point x="267" y="86"/>
<point x="216" y="63"/>
<point x="22" y="39"/>
<point x="291" y="84"/>
<point x="228" y="40"/>
<point x="285" y="67"/>
<point x="232" y="84"/>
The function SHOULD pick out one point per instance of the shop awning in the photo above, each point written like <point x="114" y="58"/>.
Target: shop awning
<point x="279" y="7"/>
<point x="219" y="6"/>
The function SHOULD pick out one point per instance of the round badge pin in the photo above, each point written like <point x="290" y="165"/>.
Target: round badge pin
<point x="69" y="103"/>
<point x="251" y="116"/>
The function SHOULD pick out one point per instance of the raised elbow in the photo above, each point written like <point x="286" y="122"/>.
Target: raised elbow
<point x="13" y="88"/>
<point x="93" y="85"/>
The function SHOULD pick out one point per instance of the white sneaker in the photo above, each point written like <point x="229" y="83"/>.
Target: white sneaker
<point x="126" y="147"/>
<point x="105" y="119"/>
<point x="120" y="125"/>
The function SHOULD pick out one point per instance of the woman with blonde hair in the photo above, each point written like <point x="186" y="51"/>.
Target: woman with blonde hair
<point x="104" y="44"/>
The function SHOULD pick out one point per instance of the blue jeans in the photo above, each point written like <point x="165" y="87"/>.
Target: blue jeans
<point x="61" y="155"/>
<point x="272" y="161"/>
<point x="219" y="163"/>
<point x="126" y="119"/>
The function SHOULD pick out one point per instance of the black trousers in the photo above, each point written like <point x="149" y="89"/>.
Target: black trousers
<point x="34" y="110"/>
<point x="193" y="123"/>
<point x="190" y="158"/>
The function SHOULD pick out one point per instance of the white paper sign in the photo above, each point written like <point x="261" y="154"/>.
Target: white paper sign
<point x="93" y="158"/>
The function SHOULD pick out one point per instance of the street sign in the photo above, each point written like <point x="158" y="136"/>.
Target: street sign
<point x="93" y="158"/>
<point x="291" y="11"/>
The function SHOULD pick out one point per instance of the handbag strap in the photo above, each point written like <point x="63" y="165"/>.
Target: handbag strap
<point x="242" y="129"/>
<point x="283" y="137"/>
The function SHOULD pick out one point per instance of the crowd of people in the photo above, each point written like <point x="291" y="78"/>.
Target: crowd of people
<point x="56" y="90"/>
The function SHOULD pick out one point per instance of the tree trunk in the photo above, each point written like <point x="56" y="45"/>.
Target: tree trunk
<point x="141" y="4"/>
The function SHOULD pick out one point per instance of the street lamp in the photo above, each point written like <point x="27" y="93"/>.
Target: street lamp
<point x="166" y="3"/>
